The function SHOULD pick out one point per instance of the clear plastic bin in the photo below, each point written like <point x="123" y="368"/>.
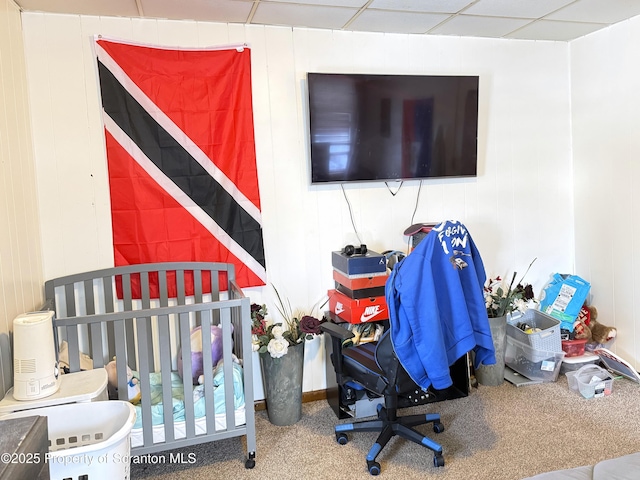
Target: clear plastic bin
<point x="87" y="440"/>
<point x="533" y="363"/>
<point x="591" y="381"/>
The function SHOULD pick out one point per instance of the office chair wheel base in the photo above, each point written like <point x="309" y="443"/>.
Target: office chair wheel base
<point x="438" y="461"/>
<point x="373" y="467"/>
<point x="342" y="438"/>
<point x="438" y="427"/>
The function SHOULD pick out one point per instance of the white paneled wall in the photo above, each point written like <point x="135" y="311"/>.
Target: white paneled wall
<point x="519" y="207"/>
<point x="20" y="257"/>
<point x="606" y="114"/>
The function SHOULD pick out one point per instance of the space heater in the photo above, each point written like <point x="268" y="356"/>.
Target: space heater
<point x="35" y="363"/>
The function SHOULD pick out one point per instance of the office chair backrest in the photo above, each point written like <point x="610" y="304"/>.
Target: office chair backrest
<point x="397" y="378"/>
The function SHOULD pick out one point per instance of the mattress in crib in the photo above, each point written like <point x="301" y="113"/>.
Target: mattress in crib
<point x="179" y="428"/>
<point x="198" y="398"/>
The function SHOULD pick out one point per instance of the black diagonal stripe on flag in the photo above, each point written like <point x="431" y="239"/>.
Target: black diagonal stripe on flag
<point x="179" y="166"/>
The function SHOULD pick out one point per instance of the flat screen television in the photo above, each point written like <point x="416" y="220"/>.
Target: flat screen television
<point x="392" y="127"/>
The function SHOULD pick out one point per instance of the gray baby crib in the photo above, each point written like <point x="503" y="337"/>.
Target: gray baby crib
<point x="145" y="316"/>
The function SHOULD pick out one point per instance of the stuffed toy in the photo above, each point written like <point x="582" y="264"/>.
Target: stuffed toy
<point x="133" y="387"/>
<point x="587" y="326"/>
<point x="197" y="368"/>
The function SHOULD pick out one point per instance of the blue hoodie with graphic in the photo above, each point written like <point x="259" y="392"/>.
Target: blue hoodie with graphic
<point x="436" y="306"/>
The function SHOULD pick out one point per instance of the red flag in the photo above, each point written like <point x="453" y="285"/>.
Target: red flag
<point x="181" y="156"/>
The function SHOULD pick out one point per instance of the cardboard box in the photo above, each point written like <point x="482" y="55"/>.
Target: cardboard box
<point x="357" y="310"/>
<point x="362" y="280"/>
<point x="370" y="262"/>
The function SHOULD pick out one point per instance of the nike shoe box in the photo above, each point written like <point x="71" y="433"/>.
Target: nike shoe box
<point x="361" y="281"/>
<point x="358" y="310"/>
<point x="370" y="262"/>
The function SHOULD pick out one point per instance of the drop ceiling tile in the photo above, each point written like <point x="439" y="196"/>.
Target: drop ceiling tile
<point x="516" y="8"/>
<point x="425" y="6"/>
<point x="474" y="26"/>
<point x="326" y="3"/>
<point x="120" y="8"/>
<point x="396" y="22"/>
<point x="554" y="30"/>
<point x="598" y="11"/>
<point x="303" y="15"/>
<point x="232" y="11"/>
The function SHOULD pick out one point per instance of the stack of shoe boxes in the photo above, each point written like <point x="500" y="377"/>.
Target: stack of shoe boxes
<point x="359" y="293"/>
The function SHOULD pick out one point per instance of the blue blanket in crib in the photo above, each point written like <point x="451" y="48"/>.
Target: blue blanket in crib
<point x="157" y="407"/>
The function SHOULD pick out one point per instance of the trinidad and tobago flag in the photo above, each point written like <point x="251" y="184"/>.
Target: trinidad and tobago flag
<point x="181" y="156"/>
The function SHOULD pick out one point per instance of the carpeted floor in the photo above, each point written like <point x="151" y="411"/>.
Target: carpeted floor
<point x="497" y="433"/>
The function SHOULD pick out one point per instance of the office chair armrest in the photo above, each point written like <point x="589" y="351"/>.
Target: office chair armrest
<point x="336" y="331"/>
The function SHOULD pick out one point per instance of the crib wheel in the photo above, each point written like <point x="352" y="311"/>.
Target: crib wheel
<point x="249" y="463"/>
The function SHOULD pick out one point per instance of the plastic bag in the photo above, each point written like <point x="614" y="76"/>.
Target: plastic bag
<point x="563" y="298"/>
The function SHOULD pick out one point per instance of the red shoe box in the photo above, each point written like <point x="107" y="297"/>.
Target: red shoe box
<point x="362" y="281"/>
<point x="358" y="310"/>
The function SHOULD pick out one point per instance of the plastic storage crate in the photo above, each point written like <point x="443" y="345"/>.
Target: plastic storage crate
<point x="532" y="363"/>
<point x="591" y="381"/>
<point x="546" y="339"/>
<point x="571" y="364"/>
<point x="87" y="440"/>
<point x="574" y="348"/>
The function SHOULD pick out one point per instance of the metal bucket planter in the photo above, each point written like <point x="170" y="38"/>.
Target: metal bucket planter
<point x="282" y="378"/>
<point x="493" y="375"/>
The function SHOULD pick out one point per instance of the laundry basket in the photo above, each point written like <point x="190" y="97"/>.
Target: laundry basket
<point x="90" y="440"/>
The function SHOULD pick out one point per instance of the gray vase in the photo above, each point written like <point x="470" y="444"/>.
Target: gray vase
<point x="282" y="378"/>
<point x="493" y="375"/>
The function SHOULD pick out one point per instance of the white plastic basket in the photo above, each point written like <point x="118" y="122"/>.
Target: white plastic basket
<point x="87" y="440"/>
<point x="591" y="381"/>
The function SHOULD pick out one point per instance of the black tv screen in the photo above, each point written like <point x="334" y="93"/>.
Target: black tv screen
<point x="392" y="127"/>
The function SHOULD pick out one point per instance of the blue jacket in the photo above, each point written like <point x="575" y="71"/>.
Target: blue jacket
<point x="436" y="303"/>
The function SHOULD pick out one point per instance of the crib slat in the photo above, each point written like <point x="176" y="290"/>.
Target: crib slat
<point x="73" y="347"/>
<point x="187" y="369"/>
<point x="127" y="301"/>
<point x="108" y="298"/>
<point x="143" y="333"/>
<point x="162" y="288"/>
<point x="215" y="285"/>
<point x="70" y="299"/>
<point x="107" y="289"/>
<point x="164" y="349"/>
<point x="197" y="285"/>
<point x="146" y="304"/>
<point x="144" y="289"/>
<point x="121" y="358"/>
<point x="180" y="287"/>
<point x="207" y="370"/>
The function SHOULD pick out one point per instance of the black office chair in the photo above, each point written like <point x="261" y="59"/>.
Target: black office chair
<point x="375" y="367"/>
